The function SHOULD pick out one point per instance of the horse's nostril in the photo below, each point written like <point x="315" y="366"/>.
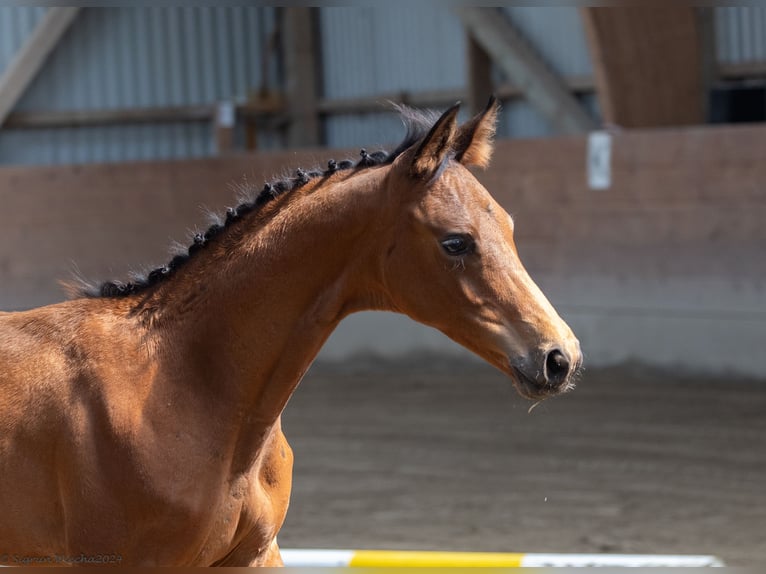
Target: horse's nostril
<point x="556" y="367"/>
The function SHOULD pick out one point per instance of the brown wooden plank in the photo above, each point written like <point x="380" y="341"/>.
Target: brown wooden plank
<point x="480" y="85"/>
<point x="647" y="64"/>
<point x="251" y="111"/>
<point x="684" y="202"/>
<point x="435" y="98"/>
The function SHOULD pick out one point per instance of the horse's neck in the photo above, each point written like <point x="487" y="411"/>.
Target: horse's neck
<point x="257" y="324"/>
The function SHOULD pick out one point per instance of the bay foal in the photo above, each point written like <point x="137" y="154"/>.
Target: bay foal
<point x="141" y="421"/>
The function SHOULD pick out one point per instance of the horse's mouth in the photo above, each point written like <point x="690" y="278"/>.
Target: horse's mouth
<point x="530" y="389"/>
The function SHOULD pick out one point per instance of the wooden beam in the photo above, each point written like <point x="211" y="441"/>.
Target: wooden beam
<point x="89" y="118"/>
<point x="381" y="102"/>
<point x="301" y="77"/>
<point x="269" y="110"/>
<point x="250" y="112"/>
<point x="32" y="55"/>
<point x="480" y="85"/>
<point x="647" y="64"/>
<point x="433" y="98"/>
<point x="525" y="69"/>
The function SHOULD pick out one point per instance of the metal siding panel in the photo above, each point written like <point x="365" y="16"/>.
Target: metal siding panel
<point x="225" y="57"/>
<point x="140" y="79"/>
<point x="9" y="146"/>
<point x="327" y="26"/>
<point x="132" y="140"/>
<point x="744" y="34"/>
<point x="373" y="131"/>
<point x="190" y="54"/>
<point x="239" y="54"/>
<point x="434" y="36"/>
<point x="346" y="37"/>
<point x="738" y="55"/>
<point x="122" y="58"/>
<point x="256" y="42"/>
<point x="16" y="23"/>
<point x="756" y="29"/>
<point x="112" y="78"/>
<point x="92" y="47"/>
<point x="207" y="67"/>
<point x="26" y="22"/>
<point x="557" y="34"/>
<point x="353" y="38"/>
<point x="721" y="35"/>
<point x="521" y="120"/>
<point x="740" y="34"/>
<point x="135" y="57"/>
<point x="77" y="86"/>
<point x="175" y="78"/>
<point x="158" y="65"/>
<point x="7" y="45"/>
<point x="590" y="101"/>
<point x="202" y="137"/>
<point x="370" y="51"/>
<point x="60" y="144"/>
<point x="378" y="45"/>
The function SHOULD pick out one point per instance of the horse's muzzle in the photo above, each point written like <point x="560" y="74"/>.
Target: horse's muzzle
<point x="548" y="373"/>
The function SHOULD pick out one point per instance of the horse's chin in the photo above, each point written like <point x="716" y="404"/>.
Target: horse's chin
<point x="531" y="390"/>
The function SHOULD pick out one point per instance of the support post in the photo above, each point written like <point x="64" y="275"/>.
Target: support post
<point x="301" y="76"/>
<point x="480" y="85"/>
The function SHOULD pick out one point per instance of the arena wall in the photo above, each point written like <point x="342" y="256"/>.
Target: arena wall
<point x="667" y="266"/>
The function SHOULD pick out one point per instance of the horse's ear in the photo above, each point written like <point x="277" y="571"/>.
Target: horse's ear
<point x="433" y="150"/>
<point x="474" y="142"/>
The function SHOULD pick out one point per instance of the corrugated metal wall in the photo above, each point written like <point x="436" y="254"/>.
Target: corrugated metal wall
<point x="15" y="25"/>
<point x="136" y="57"/>
<point x="559" y="38"/>
<point x="740" y="34"/>
<point x="133" y="57"/>
<point x="372" y="50"/>
<point x="367" y="51"/>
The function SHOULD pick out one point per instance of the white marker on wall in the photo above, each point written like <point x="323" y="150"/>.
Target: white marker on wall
<point x="599" y="160"/>
<point x="226" y="114"/>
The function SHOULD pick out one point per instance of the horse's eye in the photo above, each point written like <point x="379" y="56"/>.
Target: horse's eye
<point x="457" y="244"/>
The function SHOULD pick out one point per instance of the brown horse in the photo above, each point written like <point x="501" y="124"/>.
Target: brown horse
<point x="141" y="421"/>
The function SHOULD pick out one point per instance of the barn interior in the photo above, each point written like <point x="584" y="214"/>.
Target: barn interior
<point x="630" y="154"/>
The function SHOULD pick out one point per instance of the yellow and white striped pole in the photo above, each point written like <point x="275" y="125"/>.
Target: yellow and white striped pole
<point x="410" y="558"/>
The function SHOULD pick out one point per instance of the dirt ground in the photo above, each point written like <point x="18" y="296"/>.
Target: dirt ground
<point x="435" y="454"/>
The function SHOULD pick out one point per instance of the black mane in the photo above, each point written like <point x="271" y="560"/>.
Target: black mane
<point x="417" y="122"/>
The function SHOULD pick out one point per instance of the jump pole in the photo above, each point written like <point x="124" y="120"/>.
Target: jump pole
<point x="409" y="558"/>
